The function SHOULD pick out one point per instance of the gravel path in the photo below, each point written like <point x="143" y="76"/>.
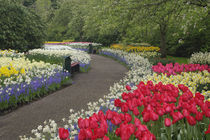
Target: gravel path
<point x="88" y="87"/>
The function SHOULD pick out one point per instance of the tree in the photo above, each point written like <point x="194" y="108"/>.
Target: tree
<point x="20" y="28"/>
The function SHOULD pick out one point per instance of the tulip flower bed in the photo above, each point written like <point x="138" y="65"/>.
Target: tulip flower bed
<point x="149" y="112"/>
<point x="96" y="117"/>
<point x="175" y="69"/>
<point x="22" y="80"/>
<point x="190" y="79"/>
<point x="56" y="55"/>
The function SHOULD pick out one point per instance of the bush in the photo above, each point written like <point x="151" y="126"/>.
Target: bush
<point x="20" y="28"/>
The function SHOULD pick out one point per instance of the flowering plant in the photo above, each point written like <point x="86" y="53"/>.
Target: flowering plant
<point x="150" y="112"/>
<point x="200" y="58"/>
<point x="130" y="48"/>
<point x="175" y="69"/>
<point x="140" y="70"/>
<point x="56" y="55"/>
<point x="10" y="53"/>
<point x="22" y="80"/>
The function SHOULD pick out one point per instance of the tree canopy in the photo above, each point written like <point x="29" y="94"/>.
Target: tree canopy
<point x="20" y="28"/>
<point x="177" y="27"/>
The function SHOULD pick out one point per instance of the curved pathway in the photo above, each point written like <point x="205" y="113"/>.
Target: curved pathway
<point x="88" y="87"/>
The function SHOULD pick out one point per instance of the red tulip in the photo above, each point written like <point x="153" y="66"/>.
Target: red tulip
<point x="167" y="122"/>
<point x="136" y="111"/>
<point x="191" y="120"/>
<point x="88" y="133"/>
<point x="137" y="122"/>
<point x="153" y="116"/>
<point x="125" y="96"/>
<point x="146" y="117"/>
<point x="117" y="102"/>
<point x="109" y="114"/>
<point x="160" y="111"/>
<point x="124" y="108"/>
<point x="199" y="116"/>
<point x="117" y="132"/>
<point x="81" y="123"/>
<point x="63" y="133"/>
<point x="116" y="120"/>
<point x="128" y="117"/>
<point x="99" y="132"/>
<point x="86" y="121"/>
<point x="128" y="87"/>
<point x="122" y="116"/>
<point x="93" y="124"/>
<point x="82" y="134"/>
<point x="185" y="113"/>
<point x="199" y="96"/>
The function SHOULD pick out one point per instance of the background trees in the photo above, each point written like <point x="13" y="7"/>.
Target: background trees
<point x="20" y="28"/>
<point x="178" y="27"/>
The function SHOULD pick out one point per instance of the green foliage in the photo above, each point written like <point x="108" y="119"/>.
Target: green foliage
<point x="164" y="61"/>
<point x="20" y="28"/>
<point x="46" y="59"/>
<point x="131" y="21"/>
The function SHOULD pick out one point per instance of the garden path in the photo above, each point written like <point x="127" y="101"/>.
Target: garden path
<point x="88" y="87"/>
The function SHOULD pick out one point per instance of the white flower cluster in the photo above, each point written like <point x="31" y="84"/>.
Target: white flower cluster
<point x="200" y="58"/>
<point x="140" y="68"/>
<point x="84" y="44"/>
<point x="32" y="69"/>
<point x="10" y="53"/>
<point x="63" y="51"/>
<point x="149" y="54"/>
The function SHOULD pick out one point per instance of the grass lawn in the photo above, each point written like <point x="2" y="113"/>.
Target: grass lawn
<point x="180" y="60"/>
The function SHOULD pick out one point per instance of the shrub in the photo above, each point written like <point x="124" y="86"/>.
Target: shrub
<point x="20" y="28"/>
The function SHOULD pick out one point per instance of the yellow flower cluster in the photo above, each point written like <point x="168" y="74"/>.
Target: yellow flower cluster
<point x="190" y="79"/>
<point x="58" y="42"/>
<point x="52" y="42"/>
<point x="6" y="52"/>
<point x="15" y="66"/>
<point x="130" y="48"/>
<point x="9" y="70"/>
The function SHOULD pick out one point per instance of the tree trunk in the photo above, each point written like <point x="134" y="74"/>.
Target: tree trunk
<point x="163" y="40"/>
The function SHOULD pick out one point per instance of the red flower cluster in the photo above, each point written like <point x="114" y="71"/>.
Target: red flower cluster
<point x="150" y="102"/>
<point x="171" y="69"/>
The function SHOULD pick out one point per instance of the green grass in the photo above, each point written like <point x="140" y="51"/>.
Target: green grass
<point x="180" y="60"/>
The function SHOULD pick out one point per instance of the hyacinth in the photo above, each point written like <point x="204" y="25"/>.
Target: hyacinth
<point x="175" y="69"/>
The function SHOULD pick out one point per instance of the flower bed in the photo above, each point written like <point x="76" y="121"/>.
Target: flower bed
<point x="175" y="69"/>
<point x="109" y="120"/>
<point x="10" y="53"/>
<point x="83" y="46"/>
<point x="57" y="54"/>
<point x="22" y="80"/>
<point x="190" y="79"/>
<point x="149" y="112"/>
<point x="130" y="48"/>
<point x="200" y="58"/>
